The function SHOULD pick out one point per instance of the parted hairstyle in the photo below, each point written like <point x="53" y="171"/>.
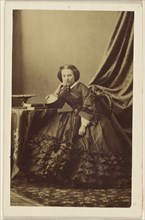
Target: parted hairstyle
<point x="71" y="67"/>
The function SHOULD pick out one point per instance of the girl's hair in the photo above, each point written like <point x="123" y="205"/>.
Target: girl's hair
<point x="71" y="67"/>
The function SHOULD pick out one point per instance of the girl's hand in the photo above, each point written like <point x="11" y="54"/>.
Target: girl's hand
<point x="64" y="84"/>
<point x="82" y="130"/>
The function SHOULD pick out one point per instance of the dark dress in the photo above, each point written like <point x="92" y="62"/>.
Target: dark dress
<point x="59" y="155"/>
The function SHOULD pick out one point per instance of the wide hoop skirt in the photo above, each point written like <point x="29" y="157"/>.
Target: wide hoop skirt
<point x="57" y="154"/>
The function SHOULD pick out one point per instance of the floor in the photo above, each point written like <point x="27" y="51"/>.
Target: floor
<point x="24" y="193"/>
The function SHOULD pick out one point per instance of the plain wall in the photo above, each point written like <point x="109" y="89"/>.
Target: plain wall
<point x="44" y="40"/>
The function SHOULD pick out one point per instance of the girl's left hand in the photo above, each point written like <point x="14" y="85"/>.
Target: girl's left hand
<point x="82" y="130"/>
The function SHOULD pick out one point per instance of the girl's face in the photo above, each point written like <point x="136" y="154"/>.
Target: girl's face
<point x="67" y="77"/>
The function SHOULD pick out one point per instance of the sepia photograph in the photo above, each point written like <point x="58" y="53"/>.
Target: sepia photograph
<point x="73" y="81"/>
<point x="78" y="154"/>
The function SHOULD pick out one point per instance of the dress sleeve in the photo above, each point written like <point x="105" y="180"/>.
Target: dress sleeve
<point x="88" y="107"/>
<point x="58" y="90"/>
<point x="56" y="98"/>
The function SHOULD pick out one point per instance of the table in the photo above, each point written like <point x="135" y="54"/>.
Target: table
<point x="25" y="123"/>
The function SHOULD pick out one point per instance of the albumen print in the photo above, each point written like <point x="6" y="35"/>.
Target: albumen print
<point x="80" y="155"/>
<point x="72" y="100"/>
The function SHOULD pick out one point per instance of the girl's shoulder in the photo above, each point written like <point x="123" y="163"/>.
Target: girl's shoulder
<point x="79" y="85"/>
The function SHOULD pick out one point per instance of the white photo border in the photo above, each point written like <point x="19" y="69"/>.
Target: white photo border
<point x="135" y="210"/>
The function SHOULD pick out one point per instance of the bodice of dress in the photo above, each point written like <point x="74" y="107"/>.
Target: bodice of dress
<point x="73" y="98"/>
<point x="79" y="98"/>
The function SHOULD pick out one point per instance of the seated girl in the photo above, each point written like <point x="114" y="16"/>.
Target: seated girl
<point x="80" y="148"/>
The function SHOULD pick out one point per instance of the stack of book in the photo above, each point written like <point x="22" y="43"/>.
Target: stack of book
<point x="39" y="105"/>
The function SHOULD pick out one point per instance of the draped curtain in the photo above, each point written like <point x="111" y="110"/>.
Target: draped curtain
<point x="115" y="74"/>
